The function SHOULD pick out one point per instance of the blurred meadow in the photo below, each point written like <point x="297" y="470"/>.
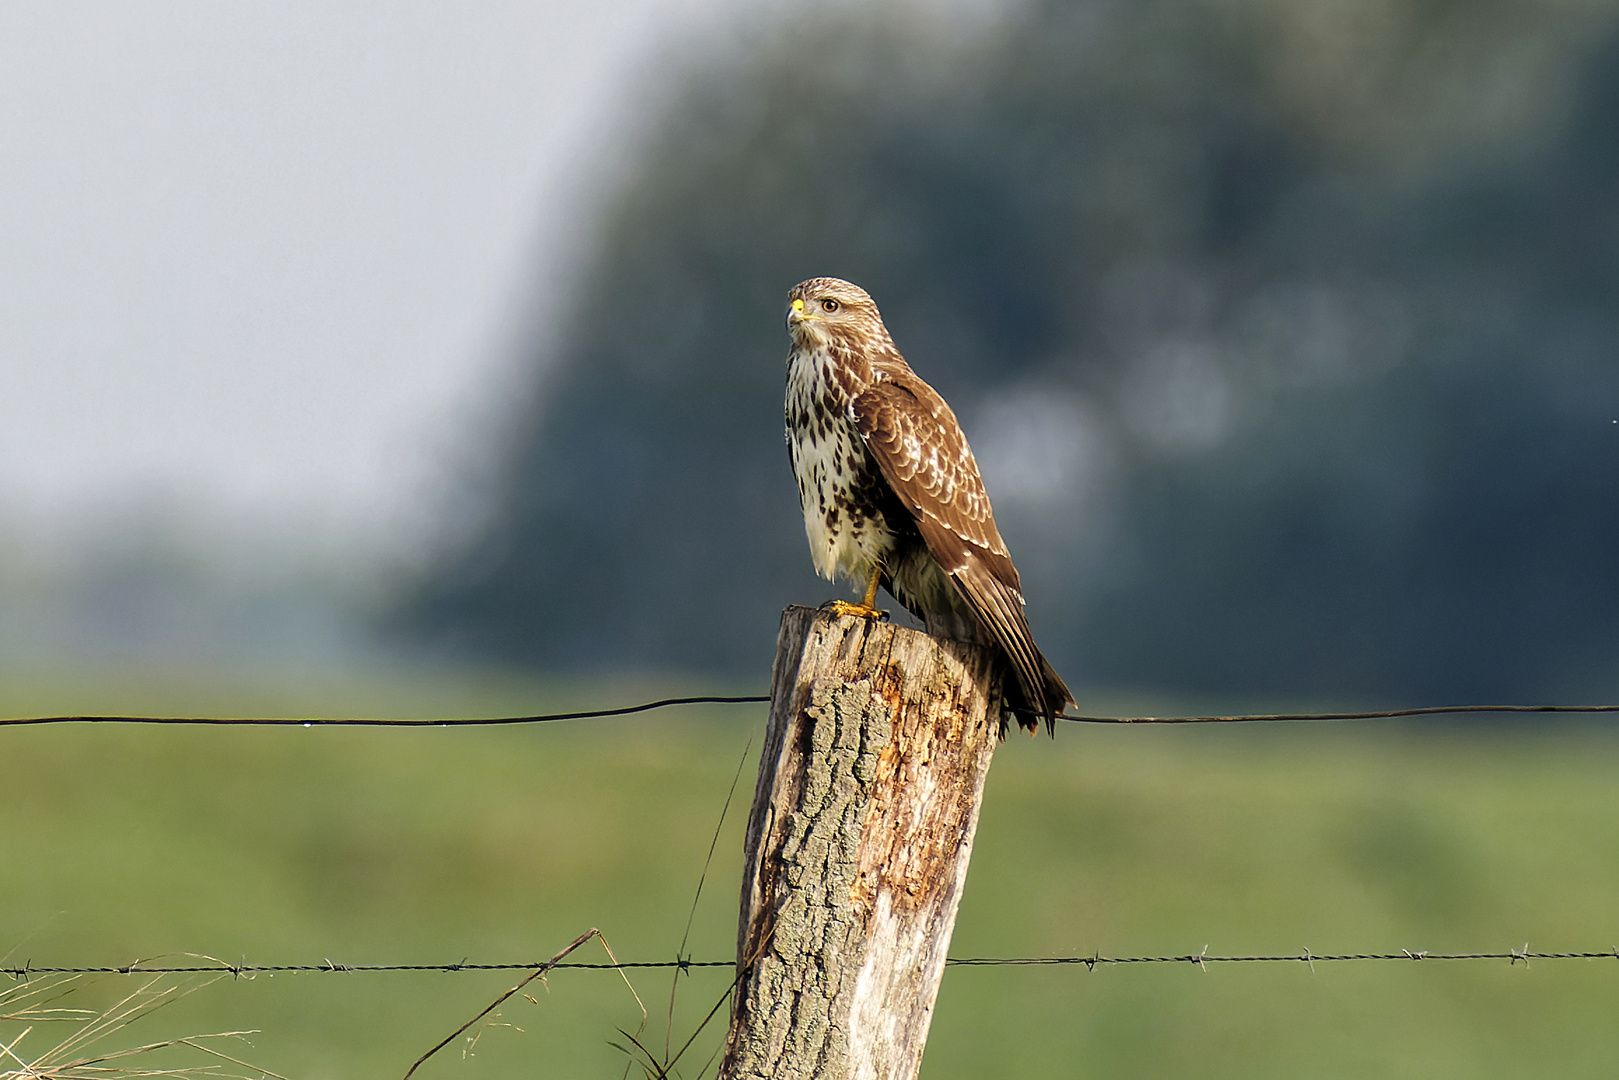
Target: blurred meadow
<point x="360" y="359"/>
<point x="495" y="845"/>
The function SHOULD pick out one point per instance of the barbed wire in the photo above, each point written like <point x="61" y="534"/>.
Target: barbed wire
<point x="139" y="968"/>
<point x="1306" y="957"/>
<point x="755" y="699"/>
<point x="1512" y="956"/>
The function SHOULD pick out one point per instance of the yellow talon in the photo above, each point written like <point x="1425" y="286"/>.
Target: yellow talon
<point x="867" y="608"/>
<point x="859" y="611"/>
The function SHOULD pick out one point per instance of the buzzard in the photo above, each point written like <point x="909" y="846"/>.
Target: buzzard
<point x="891" y="493"/>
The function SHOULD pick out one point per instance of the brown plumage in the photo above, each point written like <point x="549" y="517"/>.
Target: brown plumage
<point x="891" y="492"/>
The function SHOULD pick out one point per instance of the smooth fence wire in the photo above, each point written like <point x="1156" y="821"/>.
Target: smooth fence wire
<point x="369" y="721"/>
<point x="756" y="699"/>
<point x="1197" y="959"/>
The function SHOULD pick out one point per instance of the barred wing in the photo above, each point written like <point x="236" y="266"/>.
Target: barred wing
<point x="924" y="456"/>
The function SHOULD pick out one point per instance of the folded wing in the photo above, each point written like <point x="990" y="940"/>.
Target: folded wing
<point x="916" y="441"/>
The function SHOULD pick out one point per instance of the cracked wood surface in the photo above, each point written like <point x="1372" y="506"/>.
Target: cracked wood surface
<point x="857" y="846"/>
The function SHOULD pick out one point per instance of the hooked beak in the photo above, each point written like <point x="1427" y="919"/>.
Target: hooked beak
<point x="801" y="319"/>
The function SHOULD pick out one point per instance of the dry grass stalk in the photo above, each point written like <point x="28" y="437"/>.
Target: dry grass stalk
<point x="88" y="1050"/>
<point x="538" y="973"/>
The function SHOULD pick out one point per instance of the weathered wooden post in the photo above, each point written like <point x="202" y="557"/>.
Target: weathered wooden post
<point x="869" y="783"/>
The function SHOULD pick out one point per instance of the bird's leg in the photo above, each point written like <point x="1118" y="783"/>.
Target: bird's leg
<point x="867" y="608"/>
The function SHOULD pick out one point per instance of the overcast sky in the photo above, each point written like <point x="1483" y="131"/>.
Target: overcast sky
<point x="267" y="258"/>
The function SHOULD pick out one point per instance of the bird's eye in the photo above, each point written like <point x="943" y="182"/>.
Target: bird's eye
<point x="829" y="305"/>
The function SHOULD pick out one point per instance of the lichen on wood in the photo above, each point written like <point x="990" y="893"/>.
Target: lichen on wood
<point x="857" y="847"/>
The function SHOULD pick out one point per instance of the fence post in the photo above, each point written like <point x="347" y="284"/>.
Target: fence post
<point x="872" y="769"/>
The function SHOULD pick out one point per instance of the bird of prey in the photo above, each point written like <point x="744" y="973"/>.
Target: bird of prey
<point x="891" y="493"/>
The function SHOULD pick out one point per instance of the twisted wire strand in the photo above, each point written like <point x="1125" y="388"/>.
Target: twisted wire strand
<point x="1512" y="956"/>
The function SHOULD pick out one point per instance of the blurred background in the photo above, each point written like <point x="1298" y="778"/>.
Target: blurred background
<point x="1285" y="333"/>
<point x="362" y="357"/>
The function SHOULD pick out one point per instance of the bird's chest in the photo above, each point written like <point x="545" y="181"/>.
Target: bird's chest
<point x="839" y="485"/>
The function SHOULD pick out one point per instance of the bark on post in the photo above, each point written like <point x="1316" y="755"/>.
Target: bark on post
<point x="869" y="783"/>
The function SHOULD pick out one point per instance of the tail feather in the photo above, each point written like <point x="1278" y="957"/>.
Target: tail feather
<point x="1028" y="712"/>
<point x="1038" y="692"/>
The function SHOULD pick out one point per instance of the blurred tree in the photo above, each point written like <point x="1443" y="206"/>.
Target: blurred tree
<point x="1285" y="332"/>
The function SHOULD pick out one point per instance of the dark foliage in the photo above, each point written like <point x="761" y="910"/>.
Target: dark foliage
<point x="1346" y="358"/>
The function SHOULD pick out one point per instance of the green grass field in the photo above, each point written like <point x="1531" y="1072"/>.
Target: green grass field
<point x="368" y="846"/>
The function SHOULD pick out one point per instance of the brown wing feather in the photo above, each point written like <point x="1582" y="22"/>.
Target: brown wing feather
<point x="923" y="454"/>
<point x="920" y="447"/>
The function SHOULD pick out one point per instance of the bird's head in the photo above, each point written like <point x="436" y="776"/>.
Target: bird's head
<point x="822" y="310"/>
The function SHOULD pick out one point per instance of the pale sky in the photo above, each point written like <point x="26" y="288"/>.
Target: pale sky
<point x="268" y="258"/>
